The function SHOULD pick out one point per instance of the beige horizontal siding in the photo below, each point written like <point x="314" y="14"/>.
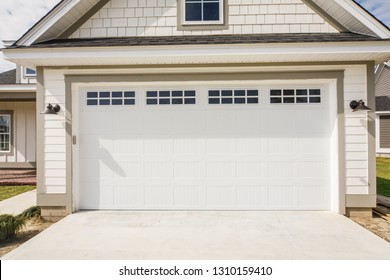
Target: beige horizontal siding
<point x="159" y="18"/>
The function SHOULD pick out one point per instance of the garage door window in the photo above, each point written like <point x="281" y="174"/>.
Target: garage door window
<point x="237" y="96"/>
<point x="170" y="97"/>
<point x="107" y="98"/>
<point x="300" y="96"/>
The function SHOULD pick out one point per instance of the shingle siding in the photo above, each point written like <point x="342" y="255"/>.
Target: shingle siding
<point x="159" y="18"/>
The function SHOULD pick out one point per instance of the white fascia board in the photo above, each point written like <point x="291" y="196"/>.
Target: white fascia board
<point x="55" y="15"/>
<point x="365" y="18"/>
<point x="196" y="53"/>
<point x="18" y="88"/>
<point x="382" y="112"/>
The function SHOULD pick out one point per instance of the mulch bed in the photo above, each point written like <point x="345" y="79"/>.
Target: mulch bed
<point x="18" y="177"/>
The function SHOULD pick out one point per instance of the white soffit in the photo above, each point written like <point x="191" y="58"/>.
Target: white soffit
<point x="353" y="17"/>
<point x="256" y="53"/>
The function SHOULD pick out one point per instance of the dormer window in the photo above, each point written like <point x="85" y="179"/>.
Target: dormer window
<point x="29" y="73"/>
<point x="202" y="12"/>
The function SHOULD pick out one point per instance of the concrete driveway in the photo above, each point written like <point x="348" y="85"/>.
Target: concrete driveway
<point x="199" y="235"/>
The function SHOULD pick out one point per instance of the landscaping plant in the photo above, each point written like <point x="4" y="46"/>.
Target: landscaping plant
<point x="10" y="225"/>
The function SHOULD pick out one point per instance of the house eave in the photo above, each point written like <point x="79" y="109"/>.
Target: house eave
<point x="18" y="88"/>
<point x="378" y="51"/>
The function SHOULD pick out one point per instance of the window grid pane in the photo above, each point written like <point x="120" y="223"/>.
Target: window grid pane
<point x="5" y="133"/>
<point x="236" y="96"/>
<point x="202" y="10"/>
<point x="170" y="97"/>
<point x="107" y="98"/>
<point x="295" y="96"/>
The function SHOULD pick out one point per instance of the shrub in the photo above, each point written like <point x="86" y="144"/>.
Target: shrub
<point x="31" y="212"/>
<point x="9" y="225"/>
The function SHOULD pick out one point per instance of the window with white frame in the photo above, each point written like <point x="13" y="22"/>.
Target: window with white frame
<point x="28" y="72"/>
<point x="202" y="11"/>
<point x="5" y="133"/>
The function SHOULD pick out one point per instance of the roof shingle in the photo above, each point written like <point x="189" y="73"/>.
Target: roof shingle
<point x="8" y="77"/>
<point x="204" y="40"/>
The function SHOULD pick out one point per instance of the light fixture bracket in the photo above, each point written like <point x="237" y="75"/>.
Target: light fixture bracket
<point x="358" y="106"/>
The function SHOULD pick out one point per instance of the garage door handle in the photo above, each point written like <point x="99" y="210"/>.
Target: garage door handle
<point x="74" y="140"/>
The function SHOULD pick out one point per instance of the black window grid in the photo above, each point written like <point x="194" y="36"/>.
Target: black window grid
<point x="295" y="96"/>
<point x="110" y="98"/>
<point x="170" y="97"/>
<point x="233" y="96"/>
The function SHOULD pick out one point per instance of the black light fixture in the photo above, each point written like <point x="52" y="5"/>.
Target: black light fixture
<point x="51" y="110"/>
<point x="358" y="106"/>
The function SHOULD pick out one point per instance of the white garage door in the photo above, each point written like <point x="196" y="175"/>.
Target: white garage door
<point x="204" y="148"/>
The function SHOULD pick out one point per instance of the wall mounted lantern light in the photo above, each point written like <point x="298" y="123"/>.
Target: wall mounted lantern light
<point x="51" y="110"/>
<point x="358" y="106"/>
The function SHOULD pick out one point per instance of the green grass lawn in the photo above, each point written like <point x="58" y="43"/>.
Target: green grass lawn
<point x="10" y="191"/>
<point x="383" y="176"/>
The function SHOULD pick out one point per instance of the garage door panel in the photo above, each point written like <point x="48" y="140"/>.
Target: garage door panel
<point x="157" y="122"/>
<point x="307" y="122"/>
<point x="312" y="169"/>
<point x="280" y="169"/>
<point x="130" y="169"/>
<point x="218" y="122"/>
<point x="128" y="196"/>
<point x="97" y="146"/>
<point x="280" y="146"/>
<point x="96" y="122"/>
<point x="189" y="122"/>
<point x="158" y="196"/>
<point x="187" y="146"/>
<point x="249" y="122"/>
<point x="312" y="146"/>
<point x="127" y="145"/>
<point x="97" y="170"/>
<point x="252" y="146"/>
<point x="158" y="145"/>
<point x="219" y="146"/>
<point x="219" y="169"/>
<point x="281" y="197"/>
<point x="186" y="169"/>
<point x="312" y="197"/>
<point x="127" y="121"/>
<point x="220" y="197"/>
<point x="157" y="169"/>
<point x="250" y="169"/>
<point x="205" y="156"/>
<point x="94" y="196"/>
<point x="280" y="122"/>
<point x="249" y="196"/>
<point x="187" y="196"/>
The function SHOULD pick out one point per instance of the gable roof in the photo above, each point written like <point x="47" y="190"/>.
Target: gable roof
<point x="8" y="77"/>
<point x="68" y="15"/>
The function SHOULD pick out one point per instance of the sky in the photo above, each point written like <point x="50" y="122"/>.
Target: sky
<point x="17" y="16"/>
